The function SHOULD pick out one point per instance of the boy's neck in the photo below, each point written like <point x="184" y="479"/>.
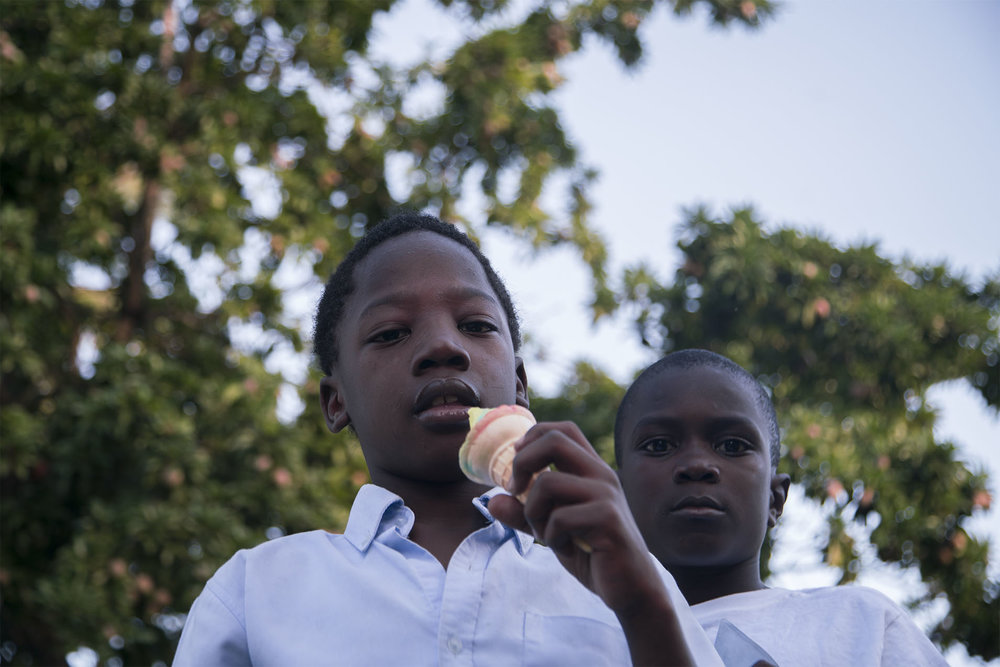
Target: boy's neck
<point x="700" y="584"/>
<point x="443" y="513"/>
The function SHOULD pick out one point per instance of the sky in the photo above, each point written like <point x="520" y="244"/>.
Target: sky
<point x="865" y="121"/>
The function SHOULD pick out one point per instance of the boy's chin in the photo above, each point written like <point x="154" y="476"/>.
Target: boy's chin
<point x="708" y="556"/>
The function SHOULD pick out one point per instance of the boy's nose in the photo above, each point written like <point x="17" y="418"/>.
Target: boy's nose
<point x="441" y="349"/>
<point x="696" y="468"/>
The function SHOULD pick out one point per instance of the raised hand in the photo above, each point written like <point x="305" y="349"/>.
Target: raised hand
<point x="576" y="506"/>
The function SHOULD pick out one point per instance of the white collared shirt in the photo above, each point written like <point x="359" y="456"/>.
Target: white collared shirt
<point x="373" y="597"/>
<point x="833" y="625"/>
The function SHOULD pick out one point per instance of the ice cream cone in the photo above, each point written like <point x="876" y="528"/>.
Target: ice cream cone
<point x="487" y="455"/>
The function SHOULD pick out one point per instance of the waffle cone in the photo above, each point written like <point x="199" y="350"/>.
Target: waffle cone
<point x="487" y="455"/>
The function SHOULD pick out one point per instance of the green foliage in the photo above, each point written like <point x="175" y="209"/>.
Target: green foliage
<point x="589" y="398"/>
<point x="141" y="441"/>
<point x="849" y="343"/>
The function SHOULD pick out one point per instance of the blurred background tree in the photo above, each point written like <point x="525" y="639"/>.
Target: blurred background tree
<point x="172" y="174"/>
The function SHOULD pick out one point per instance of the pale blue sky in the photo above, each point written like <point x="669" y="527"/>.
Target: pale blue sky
<point x="864" y="119"/>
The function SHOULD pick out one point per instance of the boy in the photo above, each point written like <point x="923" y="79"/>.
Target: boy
<point x="414" y="328"/>
<point x="697" y="445"/>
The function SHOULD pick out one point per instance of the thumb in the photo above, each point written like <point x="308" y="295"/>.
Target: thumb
<point x="509" y="511"/>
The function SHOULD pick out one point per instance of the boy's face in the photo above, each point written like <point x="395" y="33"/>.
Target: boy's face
<point x="696" y="469"/>
<point x="422" y="338"/>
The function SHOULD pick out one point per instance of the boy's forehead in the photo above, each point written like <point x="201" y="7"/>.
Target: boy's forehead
<point x="674" y="377"/>
<point x="405" y="252"/>
<point x="713" y="389"/>
<point x="416" y="261"/>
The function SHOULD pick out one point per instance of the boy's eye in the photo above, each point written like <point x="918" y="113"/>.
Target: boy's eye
<point x="733" y="446"/>
<point x="658" y="445"/>
<point x="388" y="336"/>
<point x="478" y="327"/>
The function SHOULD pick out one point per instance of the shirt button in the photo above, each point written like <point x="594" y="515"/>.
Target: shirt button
<point x="455" y="645"/>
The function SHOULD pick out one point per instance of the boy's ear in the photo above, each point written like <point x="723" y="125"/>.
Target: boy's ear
<point x="779" y="494"/>
<point x="522" y="382"/>
<point x="332" y="403"/>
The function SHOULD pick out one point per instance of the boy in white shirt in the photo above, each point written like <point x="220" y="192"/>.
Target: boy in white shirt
<point x="413" y="329"/>
<point x="697" y="445"/>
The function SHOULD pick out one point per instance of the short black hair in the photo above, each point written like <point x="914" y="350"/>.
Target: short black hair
<point x="340" y="286"/>
<point x="694" y="358"/>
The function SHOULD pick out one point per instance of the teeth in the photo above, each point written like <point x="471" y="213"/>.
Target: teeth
<point x="443" y="400"/>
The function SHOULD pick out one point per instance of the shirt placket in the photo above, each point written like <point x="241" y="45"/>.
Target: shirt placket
<point x="462" y="598"/>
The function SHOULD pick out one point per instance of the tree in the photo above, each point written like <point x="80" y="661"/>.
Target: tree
<point x="589" y="398"/>
<point x="849" y="343"/>
<point x="163" y="165"/>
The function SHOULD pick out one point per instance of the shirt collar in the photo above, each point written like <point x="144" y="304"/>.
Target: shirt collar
<point x="524" y="540"/>
<point x="376" y="509"/>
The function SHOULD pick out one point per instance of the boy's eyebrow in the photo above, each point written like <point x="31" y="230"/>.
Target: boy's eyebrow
<point x="716" y="423"/>
<point x="403" y="297"/>
<point x="734" y="421"/>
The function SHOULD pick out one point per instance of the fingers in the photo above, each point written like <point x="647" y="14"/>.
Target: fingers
<point x="556" y="459"/>
<point x="577" y="527"/>
<point x="558" y="444"/>
<point x="556" y="469"/>
<point x="556" y="490"/>
<point x="509" y="511"/>
<point x="563" y="508"/>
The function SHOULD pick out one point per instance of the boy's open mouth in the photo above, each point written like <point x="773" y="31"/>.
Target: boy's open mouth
<point x="445" y="404"/>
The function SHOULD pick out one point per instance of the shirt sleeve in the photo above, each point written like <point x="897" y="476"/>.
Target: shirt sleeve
<point x="215" y="629"/>
<point x="905" y="644"/>
<point x="701" y="648"/>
